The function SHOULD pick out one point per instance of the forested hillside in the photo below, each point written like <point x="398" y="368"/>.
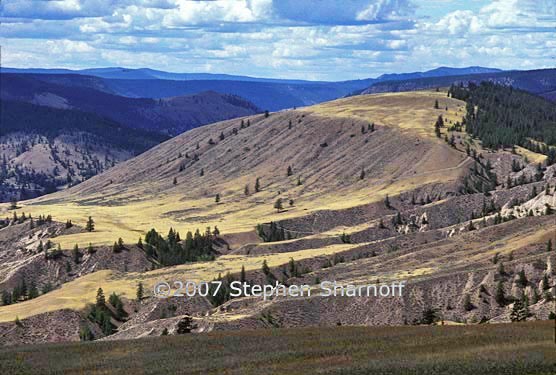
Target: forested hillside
<point x="502" y="116"/>
<point x="43" y="149"/>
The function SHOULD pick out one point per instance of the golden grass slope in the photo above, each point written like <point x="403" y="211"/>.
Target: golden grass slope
<point x="324" y="145"/>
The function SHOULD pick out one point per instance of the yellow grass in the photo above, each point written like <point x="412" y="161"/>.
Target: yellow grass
<point x="413" y="110"/>
<point x="533" y="157"/>
<point x="78" y="293"/>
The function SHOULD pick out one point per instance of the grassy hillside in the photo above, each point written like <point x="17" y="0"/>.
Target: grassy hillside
<point x="370" y="193"/>
<point x="326" y="149"/>
<point x="525" y="348"/>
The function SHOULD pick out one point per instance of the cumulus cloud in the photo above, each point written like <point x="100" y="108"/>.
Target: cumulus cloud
<point x="317" y="39"/>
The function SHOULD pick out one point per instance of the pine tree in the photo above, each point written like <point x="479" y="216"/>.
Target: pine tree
<point x="387" y="202"/>
<point x="175" y="182"/>
<point x="100" y="301"/>
<point x="467" y="305"/>
<point x="549" y="245"/>
<point x="520" y="311"/>
<point x="362" y="174"/>
<point x="242" y="277"/>
<point x="184" y="325"/>
<point x="246" y="190"/>
<point x="299" y="181"/>
<point x="90" y="226"/>
<point x="217" y="198"/>
<point x="289" y="172"/>
<point x="76" y="254"/>
<point x="521" y="279"/>
<point x="278" y="204"/>
<point x="436" y="104"/>
<point x="140" y="291"/>
<point x="265" y="268"/>
<point x="90" y="249"/>
<point x="257" y="185"/>
<point x="499" y="295"/>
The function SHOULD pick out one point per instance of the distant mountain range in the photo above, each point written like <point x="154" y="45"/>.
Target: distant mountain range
<point x="171" y="115"/>
<point x="540" y="82"/>
<point x="265" y="93"/>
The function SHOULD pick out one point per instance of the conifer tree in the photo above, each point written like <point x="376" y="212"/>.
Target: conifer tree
<point x="76" y="254"/>
<point x="90" y="226"/>
<point x="278" y="204"/>
<point x="100" y="300"/>
<point x="140" y="291"/>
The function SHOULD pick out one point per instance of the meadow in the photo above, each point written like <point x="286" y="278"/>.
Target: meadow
<point x="517" y="348"/>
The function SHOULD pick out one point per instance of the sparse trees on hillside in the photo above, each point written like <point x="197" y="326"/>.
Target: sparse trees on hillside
<point x="257" y="185"/>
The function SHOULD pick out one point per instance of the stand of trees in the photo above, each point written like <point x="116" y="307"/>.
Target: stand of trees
<point x="171" y="250"/>
<point x="502" y="116"/>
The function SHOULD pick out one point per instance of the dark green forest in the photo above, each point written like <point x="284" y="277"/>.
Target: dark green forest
<point x="502" y="116"/>
<point x="51" y="122"/>
<point x="171" y="250"/>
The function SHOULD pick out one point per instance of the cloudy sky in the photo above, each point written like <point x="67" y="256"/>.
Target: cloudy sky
<point x="306" y="39"/>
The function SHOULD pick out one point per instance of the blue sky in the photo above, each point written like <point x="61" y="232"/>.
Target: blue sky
<point x="303" y="39"/>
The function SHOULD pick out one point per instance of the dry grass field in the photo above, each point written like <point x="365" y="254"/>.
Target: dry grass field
<point x="400" y="155"/>
<point x="519" y="348"/>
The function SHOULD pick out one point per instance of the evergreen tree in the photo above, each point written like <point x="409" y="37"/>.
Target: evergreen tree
<point x="76" y="254"/>
<point x="521" y="279"/>
<point x="289" y="172"/>
<point x="387" y="202"/>
<point x="242" y="277"/>
<point x="140" y="291"/>
<point x="499" y="295"/>
<point x="184" y="325"/>
<point x="436" y="104"/>
<point x="549" y="245"/>
<point x="90" y="226"/>
<point x="217" y="198"/>
<point x="278" y="204"/>
<point x="100" y="301"/>
<point x="257" y="185"/>
<point x="520" y="311"/>
<point x="265" y="268"/>
<point x="467" y="305"/>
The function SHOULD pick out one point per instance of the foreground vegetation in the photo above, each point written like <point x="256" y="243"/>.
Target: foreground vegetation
<point x="519" y="348"/>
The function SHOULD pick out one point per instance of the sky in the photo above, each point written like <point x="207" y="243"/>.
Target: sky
<point x="297" y="39"/>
